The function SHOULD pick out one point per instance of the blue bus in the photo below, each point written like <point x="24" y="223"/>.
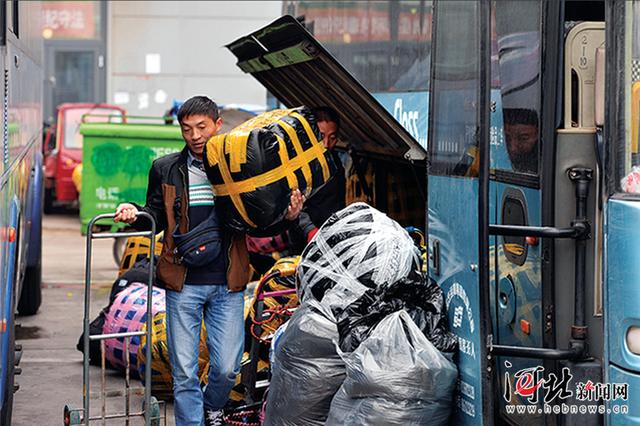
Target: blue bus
<point x="21" y="182"/>
<point x="492" y="125"/>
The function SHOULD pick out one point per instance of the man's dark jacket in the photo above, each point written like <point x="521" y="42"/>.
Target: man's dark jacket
<point x="168" y="203"/>
<point x="327" y="200"/>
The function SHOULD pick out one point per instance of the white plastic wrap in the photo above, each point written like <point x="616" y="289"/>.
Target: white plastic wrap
<point x="357" y="248"/>
<point x="395" y="377"/>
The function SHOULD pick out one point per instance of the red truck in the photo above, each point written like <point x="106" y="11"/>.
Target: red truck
<point x="63" y="148"/>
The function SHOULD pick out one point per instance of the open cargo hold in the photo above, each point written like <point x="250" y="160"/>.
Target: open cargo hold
<point x="385" y="166"/>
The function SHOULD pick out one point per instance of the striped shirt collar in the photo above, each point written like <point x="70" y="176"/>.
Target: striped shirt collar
<point x="194" y="162"/>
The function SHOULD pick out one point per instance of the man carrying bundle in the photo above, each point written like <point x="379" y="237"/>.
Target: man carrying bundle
<point x="204" y="266"/>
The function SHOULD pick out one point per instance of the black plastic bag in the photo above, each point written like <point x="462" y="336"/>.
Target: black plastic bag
<point x="422" y="299"/>
<point x="254" y="167"/>
<point x="95" y="327"/>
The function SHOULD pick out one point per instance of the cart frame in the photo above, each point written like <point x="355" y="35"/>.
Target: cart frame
<point x="150" y="410"/>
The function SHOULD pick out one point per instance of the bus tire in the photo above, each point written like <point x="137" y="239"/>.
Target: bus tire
<point x="31" y="296"/>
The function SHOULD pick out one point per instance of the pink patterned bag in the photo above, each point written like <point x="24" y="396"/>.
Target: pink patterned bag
<point x="128" y="313"/>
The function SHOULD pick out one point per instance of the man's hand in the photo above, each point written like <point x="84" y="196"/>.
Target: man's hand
<point x="295" y="205"/>
<point x="126" y="213"/>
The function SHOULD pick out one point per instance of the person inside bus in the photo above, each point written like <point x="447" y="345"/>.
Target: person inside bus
<point x="213" y="290"/>
<point x="521" y="134"/>
<point x="331" y="197"/>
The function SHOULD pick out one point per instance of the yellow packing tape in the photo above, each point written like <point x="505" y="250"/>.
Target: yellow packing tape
<point x="306" y="169"/>
<point x="235" y="144"/>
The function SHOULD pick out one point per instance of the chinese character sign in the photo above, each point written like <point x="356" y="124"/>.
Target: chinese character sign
<point x="70" y="20"/>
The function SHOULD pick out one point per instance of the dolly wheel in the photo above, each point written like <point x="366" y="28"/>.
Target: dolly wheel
<point x="154" y="411"/>
<point x="71" y="416"/>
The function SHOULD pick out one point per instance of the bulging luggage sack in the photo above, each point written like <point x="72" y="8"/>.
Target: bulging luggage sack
<point x="254" y="167"/>
<point x="395" y="377"/>
<point x="307" y="369"/>
<point x="128" y="313"/>
<point x="357" y="248"/>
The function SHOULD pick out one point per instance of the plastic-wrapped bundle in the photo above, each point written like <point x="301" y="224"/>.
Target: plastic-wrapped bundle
<point x="307" y="370"/>
<point x="395" y="377"/>
<point x="254" y="167"/>
<point x="161" y="381"/>
<point x="128" y="313"/>
<point x="356" y="249"/>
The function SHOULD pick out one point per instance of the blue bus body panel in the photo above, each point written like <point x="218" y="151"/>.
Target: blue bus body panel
<point x="632" y="417"/>
<point x="7" y="300"/>
<point x="521" y="289"/>
<point x="622" y="280"/>
<point x="453" y="221"/>
<point x="411" y="109"/>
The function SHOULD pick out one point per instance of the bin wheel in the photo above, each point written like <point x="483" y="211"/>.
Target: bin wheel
<point x="154" y="411"/>
<point x="71" y="416"/>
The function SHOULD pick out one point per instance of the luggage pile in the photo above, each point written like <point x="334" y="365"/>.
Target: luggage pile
<point x="269" y="307"/>
<point x="254" y="167"/>
<point x="369" y="343"/>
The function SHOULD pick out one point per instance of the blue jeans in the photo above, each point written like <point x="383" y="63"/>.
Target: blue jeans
<point x="223" y="319"/>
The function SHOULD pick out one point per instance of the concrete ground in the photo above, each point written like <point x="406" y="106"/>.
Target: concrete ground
<point x="51" y="366"/>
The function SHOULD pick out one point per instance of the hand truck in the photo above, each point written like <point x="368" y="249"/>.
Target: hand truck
<point x="151" y="408"/>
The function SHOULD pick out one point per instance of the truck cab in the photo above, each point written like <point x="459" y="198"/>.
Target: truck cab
<point x="63" y="148"/>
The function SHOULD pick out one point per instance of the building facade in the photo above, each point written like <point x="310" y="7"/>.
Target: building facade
<point x="143" y="55"/>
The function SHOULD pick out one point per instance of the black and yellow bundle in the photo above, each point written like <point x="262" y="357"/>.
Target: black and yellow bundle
<point x="254" y="167"/>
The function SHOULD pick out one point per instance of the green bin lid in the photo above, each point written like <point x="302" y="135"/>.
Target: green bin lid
<point x="136" y="131"/>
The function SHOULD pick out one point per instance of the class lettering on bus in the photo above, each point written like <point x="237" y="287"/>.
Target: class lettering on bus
<point x="21" y="182"/>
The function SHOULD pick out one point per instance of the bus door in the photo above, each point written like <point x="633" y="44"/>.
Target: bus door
<point x="515" y="196"/>
<point x="458" y="241"/>
<point x="544" y="191"/>
<point x="622" y="276"/>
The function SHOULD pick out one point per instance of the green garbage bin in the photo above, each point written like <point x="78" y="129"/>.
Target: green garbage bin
<point x="116" y="158"/>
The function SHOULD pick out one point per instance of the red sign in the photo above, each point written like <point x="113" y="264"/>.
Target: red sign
<point x="361" y="24"/>
<point x="69" y="20"/>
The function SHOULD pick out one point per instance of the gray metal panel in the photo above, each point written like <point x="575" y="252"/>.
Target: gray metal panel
<point x="577" y="149"/>
<point x="320" y="80"/>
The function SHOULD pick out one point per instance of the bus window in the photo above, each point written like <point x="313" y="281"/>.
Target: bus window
<point x="386" y="45"/>
<point x="515" y="86"/>
<point x="630" y="162"/>
<point x="453" y="145"/>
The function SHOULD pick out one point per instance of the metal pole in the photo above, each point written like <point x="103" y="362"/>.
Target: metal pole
<point x="103" y="382"/>
<point x="147" y="370"/>
<point x="127" y="382"/>
<point x="581" y="178"/>
<point x="87" y="301"/>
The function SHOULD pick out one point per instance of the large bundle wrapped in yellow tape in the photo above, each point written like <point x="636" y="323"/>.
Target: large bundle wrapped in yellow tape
<point x="254" y="167"/>
<point x="161" y="382"/>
